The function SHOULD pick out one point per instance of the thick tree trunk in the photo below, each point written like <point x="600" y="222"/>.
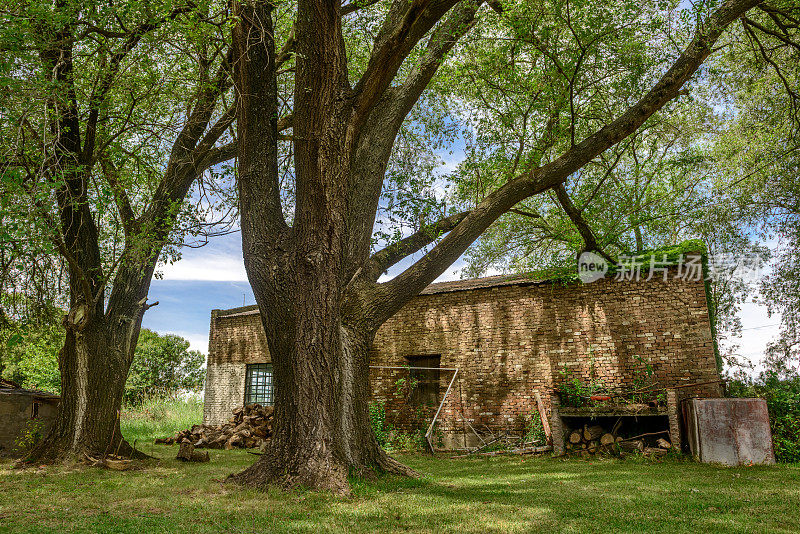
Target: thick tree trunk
<point x="321" y="430"/>
<point x="94" y="368"/>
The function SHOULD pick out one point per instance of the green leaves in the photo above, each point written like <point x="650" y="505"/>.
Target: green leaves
<point x="163" y="366"/>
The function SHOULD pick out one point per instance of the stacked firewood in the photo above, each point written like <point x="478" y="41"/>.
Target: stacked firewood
<point x="250" y="427"/>
<point x="593" y="440"/>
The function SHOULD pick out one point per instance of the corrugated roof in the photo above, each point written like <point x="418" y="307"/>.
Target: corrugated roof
<point x="439" y="287"/>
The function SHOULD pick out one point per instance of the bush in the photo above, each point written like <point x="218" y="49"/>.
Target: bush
<point x="377" y="420"/>
<point x="534" y="429"/>
<point x="30" y="353"/>
<point x="388" y="437"/>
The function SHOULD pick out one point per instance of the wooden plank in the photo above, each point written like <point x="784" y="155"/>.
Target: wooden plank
<point x="543" y="416"/>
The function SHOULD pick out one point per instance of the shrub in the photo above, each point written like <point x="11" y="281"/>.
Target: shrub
<point x="377" y="419"/>
<point x="534" y="428"/>
<point x="30" y="354"/>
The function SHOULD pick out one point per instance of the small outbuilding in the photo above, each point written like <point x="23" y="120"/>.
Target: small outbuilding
<point x="485" y="354"/>
<point x="24" y="411"/>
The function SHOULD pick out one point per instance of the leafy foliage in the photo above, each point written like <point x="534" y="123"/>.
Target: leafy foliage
<point x="377" y="420"/>
<point x="162" y="367"/>
<point x="29" y="346"/>
<point x="534" y="429"/>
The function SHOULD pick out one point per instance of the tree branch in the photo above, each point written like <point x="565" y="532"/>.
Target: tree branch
<point x="386" y="257"/>
<point x="589" y="240"/>
<point x="128" y="218"/>
<point x="380" y="131"/>
<point x="107" y="76"/>
<point x="390" y="296"/>
<point x="404" y="25"/>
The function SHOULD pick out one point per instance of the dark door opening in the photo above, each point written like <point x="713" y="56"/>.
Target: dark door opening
<point x="425" y="372"/>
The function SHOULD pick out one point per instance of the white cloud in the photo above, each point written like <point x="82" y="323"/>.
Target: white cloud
<point x="213" y="267"/>
<point x="196" y="341"/>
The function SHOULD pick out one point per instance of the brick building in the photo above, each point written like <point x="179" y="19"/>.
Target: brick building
<point x="508" y="336"/>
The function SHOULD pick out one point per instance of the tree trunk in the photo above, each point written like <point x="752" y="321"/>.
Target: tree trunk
<point x="93" y="373"/>
<point x="321" y="430"/>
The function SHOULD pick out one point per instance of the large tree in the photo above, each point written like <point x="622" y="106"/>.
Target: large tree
<point x="315" y="275"/>
<point x="110" y="114"/>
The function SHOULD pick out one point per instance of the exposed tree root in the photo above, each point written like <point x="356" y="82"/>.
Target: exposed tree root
<point x="275" y="469"/>
<point x="54" y="450"/>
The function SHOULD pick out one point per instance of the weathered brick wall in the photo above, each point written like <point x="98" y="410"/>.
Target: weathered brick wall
<point x="506" y="341"/>
<point x="235" y="339"/>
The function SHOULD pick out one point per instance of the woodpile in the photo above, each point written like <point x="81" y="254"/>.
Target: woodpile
<point x="592" y="440"/>
<point x="249" y="427"/>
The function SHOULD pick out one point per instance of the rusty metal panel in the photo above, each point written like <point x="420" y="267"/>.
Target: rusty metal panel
<point x="729" y="431"/>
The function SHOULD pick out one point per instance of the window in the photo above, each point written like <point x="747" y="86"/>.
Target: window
<point x="425" y="369"/>
<point x="258" y="384"/>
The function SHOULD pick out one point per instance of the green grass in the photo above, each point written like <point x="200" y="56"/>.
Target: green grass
<point x="159" y="418"/>
<point x="498" y="494"/>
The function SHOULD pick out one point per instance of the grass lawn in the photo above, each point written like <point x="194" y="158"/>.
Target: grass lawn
<point x="470" y="495"/>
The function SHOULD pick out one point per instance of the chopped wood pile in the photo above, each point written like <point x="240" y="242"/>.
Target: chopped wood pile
<point x="594" y="440"/>
<point x="250" y="427"/>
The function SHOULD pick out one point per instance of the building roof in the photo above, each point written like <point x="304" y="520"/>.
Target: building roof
<point x="499" y="280"/>
<point x="7" y="387"/>
<point x="439" y="287"/>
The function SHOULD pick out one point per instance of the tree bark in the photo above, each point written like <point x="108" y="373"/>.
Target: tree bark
<point x="321" y="431"/>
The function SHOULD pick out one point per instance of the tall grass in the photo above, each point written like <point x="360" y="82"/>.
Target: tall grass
<point x="159" y="417"/>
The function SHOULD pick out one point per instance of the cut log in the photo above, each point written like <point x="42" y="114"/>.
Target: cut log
<point x="591" y="433"/>
<point x="606" y="439"/>
<point x="664" y="444"/>
<point x="575" y="437"/>
<point x="654" y="451"/>
<point x="633" y="445"/>
<point x="187" y="454"/>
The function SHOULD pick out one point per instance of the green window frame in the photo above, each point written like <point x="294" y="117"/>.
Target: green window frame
<point x="258" y="385"/>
